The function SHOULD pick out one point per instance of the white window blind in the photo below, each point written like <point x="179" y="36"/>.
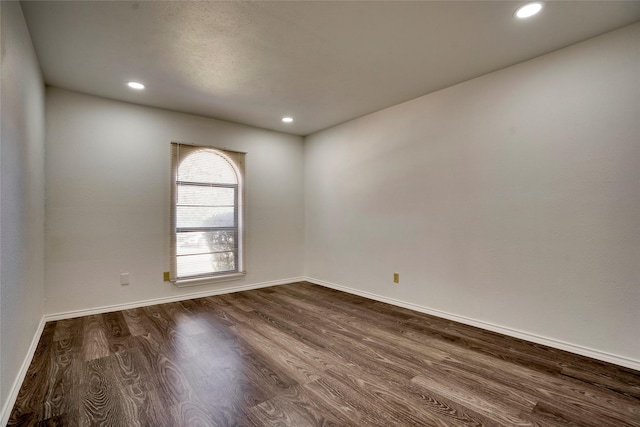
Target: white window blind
<point x="206" y="214"/>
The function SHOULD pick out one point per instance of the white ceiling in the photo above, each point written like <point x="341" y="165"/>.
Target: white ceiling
<point x="321" y="62"/>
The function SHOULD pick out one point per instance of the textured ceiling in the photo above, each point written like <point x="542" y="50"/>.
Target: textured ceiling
<point x="321" y="62"/>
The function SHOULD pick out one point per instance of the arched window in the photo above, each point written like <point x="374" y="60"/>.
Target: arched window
<point x="206" y="214"/>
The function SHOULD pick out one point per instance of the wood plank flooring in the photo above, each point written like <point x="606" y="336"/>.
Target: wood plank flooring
<point x="303" y="355"/>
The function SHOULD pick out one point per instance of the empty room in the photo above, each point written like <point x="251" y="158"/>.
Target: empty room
<point x="320" y="213"/>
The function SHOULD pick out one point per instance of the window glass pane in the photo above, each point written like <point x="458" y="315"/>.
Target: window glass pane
<point x="193" y="265"/>
<point x="206" y="166"/>
<point x="205" y="196"/>
<point x="195" y="242"/>
<point x="190" y="216"/>
<point x="206" y="213"/>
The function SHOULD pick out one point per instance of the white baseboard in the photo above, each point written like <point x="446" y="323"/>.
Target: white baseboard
<point x="22" y="373"/>
<point x="550" y="342"/>
<point x="164" y="300"/>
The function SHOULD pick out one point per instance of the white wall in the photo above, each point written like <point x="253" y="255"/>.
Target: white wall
<point x="107" y="174"/>
<point x="511" y="199"/>
<point x="21" y="196"/>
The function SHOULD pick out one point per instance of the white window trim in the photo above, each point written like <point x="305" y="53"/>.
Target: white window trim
<point x="185" y="283"/>
<point x="237" y="160"/>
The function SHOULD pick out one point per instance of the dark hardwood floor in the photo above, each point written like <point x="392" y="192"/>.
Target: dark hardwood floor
<point x="303" y="355"/>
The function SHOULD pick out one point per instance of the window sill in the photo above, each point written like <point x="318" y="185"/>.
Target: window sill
<point x="184" y="283"/>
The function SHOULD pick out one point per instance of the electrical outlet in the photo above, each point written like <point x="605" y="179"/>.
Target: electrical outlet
<point x="124" y="279"/>
<point x="166" y="276"/>
<point x="396" y="277"/>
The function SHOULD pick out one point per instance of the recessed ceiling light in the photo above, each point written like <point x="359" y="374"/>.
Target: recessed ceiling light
<point x="135" y="85"/>
<point x="528" y="10"/>
<point x="287" y="119"/>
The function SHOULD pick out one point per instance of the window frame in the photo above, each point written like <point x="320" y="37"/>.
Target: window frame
<point x="180" y="152"/>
